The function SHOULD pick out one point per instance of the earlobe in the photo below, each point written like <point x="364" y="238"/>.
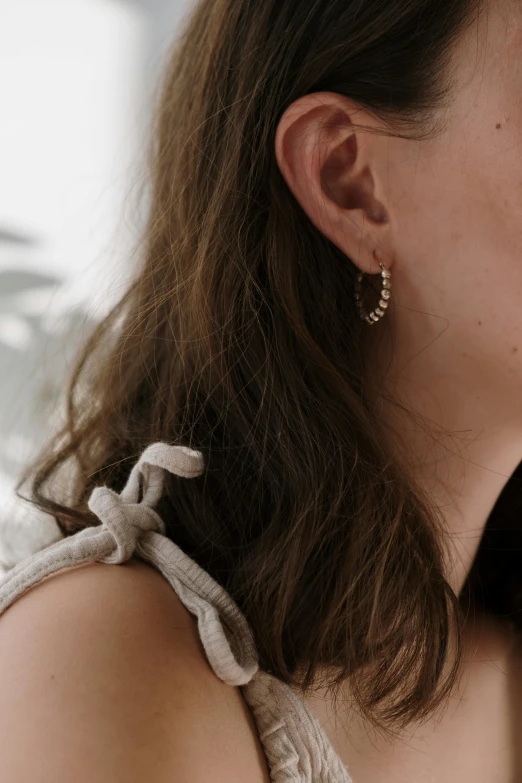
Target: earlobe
<point x="327" y="164"/>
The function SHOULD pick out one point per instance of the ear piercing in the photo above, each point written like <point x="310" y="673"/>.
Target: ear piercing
<point x="379" y="311"/>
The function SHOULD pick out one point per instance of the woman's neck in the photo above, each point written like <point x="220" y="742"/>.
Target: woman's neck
<point x="462" y="440"/>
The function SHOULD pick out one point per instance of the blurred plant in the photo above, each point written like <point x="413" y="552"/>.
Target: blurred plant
<point x="40" y="328"/>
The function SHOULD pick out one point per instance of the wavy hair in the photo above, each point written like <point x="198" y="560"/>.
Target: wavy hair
<point x="237" y="336"/>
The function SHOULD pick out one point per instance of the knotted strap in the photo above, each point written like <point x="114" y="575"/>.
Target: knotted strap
<point x="130" y="525"/>
<point x="122" y="515"/>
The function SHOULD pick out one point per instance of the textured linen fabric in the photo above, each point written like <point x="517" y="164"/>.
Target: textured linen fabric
<point x="296" y="747"/>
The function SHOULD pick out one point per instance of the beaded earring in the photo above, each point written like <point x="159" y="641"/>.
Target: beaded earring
<point x="379" y="311"/>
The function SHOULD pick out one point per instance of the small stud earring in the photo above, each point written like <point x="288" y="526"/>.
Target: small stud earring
<point x="379" y="311"/>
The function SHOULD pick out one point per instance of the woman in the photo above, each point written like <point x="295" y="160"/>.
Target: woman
<point x="300" y="609"/>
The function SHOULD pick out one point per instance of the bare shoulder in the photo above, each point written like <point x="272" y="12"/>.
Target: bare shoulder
<point x="103" y="677"/>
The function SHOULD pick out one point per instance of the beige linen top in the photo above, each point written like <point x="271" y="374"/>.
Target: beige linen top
<point x="296" y="747"/>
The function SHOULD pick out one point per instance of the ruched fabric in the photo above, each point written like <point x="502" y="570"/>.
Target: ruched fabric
<point x="296" y="747"/>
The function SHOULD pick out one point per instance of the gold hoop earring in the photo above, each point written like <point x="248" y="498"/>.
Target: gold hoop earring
<point x="379" y="311"/>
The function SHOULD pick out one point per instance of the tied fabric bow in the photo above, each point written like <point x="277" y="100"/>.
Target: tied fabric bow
<point x="126" y="518"/>
<point x="123" y="518"/>
<point x="132" y="525"/>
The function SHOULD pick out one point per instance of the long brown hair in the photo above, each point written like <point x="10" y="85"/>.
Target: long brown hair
<point x="238" y="337"/>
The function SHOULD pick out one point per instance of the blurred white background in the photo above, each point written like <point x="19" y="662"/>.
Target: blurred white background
<point x="76" y="81"/>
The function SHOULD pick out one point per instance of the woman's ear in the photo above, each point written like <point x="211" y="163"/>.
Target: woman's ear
<point x="333" y="168"/>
